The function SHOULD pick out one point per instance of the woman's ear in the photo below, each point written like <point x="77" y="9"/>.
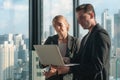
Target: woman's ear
<point x="68" y="26"/>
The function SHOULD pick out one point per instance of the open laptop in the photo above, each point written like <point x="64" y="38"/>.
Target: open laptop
<point x="50" y="55"/>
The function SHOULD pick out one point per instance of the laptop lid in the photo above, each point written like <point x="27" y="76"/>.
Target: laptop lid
<point x="49" y="55"/>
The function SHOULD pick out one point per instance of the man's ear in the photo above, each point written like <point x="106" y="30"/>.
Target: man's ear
<point x="91" y="15"/>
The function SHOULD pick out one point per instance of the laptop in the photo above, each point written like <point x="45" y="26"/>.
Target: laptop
<point x="50" y="55"/>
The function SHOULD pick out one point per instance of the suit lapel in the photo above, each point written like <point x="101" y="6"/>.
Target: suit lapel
<point x="69" y="47"/>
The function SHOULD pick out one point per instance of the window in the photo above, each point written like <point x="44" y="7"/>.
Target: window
<point x="38" y="74"/>
<point x="14" y="39"/>
<point x="37" y="66"/>
<point x="37" y="58"/>
<point x="108" y="15"/>
<point x="53" y="8"/>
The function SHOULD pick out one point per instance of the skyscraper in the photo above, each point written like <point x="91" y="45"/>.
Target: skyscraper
<point x="37" y="72"/>
<point x="117" y="29"/>
<point x="51" y="30"/>
<point x="107" y="22"/>
<point x="7" y="60"/>
<point x="13" y="57"/>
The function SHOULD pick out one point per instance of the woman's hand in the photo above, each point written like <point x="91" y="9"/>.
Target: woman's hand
<point x="56" y="70"/>
<point x="51" y="72"/>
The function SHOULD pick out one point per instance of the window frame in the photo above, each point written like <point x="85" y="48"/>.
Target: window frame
<point x="36" y="26"/>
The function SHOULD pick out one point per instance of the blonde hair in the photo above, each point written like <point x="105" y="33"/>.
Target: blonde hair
<point x="58" y="17"/>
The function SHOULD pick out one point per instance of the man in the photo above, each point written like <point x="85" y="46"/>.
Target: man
<point x="94" y="52"/>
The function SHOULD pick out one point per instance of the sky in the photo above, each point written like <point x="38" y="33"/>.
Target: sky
<point x="14" y="16"/>
<point x="100" y="5"/>
<point x="14" y="13"/>
<point x="64" y="7"/>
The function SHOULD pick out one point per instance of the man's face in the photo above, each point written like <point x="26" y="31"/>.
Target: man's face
<point x="83" y="19"/>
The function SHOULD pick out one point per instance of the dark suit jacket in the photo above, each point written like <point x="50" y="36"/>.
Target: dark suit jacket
<point x="72" y="48"/>
<point x="93" y="56"/>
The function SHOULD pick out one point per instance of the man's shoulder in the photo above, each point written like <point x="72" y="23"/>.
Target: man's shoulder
<point x="101" y="33"/>
<point x="99" y="29"/>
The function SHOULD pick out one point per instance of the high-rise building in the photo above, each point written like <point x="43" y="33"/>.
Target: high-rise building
<point x="37" y="73"/>
<point x="117" y="52"/>
<point x="7" y="60"/>
<point x="51" y="30"/>
<point x="21" y="58"/>
<point x="14" y="58"/>
<point x="17" y="39"/>
<point x="112" y="68"/>
<point x="107" y="22"/>
<point x="117" y="29"/>
<point x="46" y="34"/>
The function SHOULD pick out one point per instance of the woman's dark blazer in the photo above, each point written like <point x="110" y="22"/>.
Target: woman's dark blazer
<point x="93" y="56"/>
<point x="73" y="46"/>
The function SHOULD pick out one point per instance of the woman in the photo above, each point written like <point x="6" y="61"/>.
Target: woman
<point x="67" y="44"/>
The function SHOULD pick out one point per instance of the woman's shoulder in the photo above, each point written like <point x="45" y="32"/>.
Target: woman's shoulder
<point x="53" y="36"/>
<point x="51" y="39"/>
<point x="76" y="41"/>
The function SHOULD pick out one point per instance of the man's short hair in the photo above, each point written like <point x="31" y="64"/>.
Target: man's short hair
<point x="86" y="8"/>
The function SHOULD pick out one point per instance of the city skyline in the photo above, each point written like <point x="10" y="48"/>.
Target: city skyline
<point x="14" y="57"/>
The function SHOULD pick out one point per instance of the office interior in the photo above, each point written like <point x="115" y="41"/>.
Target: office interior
<point x="24" y="23"/>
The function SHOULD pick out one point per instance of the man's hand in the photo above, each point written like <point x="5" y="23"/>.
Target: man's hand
<point x="63" y="69"/>
<point x="66" y="60"/>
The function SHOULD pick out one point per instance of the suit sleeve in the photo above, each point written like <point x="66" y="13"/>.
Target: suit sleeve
<point x="102" y="51"/>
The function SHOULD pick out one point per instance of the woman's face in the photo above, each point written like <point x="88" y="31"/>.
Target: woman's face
<point x="61" y="26"/>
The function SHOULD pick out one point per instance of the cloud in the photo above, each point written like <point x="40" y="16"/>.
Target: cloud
<point x="19" y="19"/>
<point x="7" y="5"/>
<point x="10" y="5"/>
<point x="62" y="7"/>
<point x="57" y="7"/>
<point x="3" y="24"/>
<point x="92" y="1"/>
<point x="21" y="7"/>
